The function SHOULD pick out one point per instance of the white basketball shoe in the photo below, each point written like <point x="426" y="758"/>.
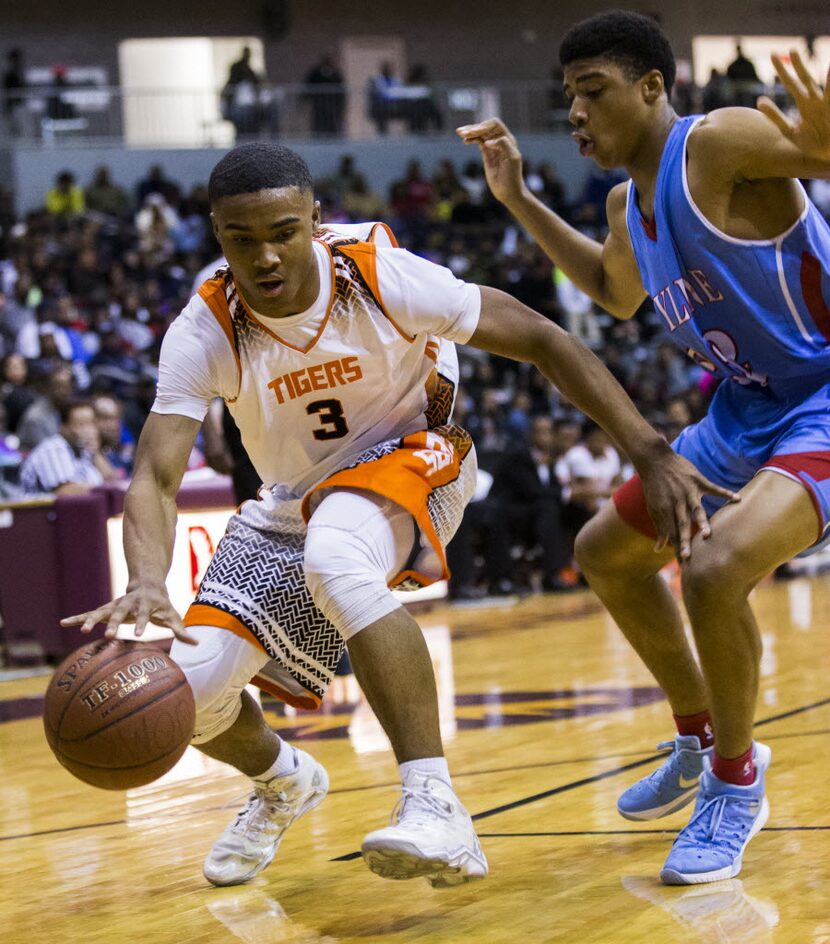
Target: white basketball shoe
<point x="250" y="842"/>
<point x="431" y="835"/>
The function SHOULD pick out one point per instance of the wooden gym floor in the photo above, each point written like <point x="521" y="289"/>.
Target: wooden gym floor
<point x="547" y="716"/>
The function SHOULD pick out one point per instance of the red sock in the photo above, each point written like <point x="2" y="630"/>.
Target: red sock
<point x="699" y="725"/>
<point x="737" y="770"/>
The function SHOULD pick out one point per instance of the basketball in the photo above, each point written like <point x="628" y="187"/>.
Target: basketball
<point x="118" y="714"/>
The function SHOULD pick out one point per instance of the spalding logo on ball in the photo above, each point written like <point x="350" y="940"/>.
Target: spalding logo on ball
<point x="118" y="714"/>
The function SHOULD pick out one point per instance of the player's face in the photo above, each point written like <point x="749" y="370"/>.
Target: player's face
<point x="267" y="239"/>
<point x="608" y="110"/>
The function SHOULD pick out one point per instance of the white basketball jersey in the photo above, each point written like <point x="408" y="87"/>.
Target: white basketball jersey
<point x="312" y="391"/>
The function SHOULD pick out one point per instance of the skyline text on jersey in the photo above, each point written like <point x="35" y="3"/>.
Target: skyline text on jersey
<point x="683" y="290"/>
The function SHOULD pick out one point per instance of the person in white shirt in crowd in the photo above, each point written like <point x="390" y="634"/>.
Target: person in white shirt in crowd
<point x="590" y="471"/>
<point x="70" y="462"/>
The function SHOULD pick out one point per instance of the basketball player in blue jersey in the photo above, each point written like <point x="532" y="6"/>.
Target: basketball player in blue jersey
<point x="717" y="230"/>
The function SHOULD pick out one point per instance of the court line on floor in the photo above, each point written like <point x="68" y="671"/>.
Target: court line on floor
<point x="485" y="813"/>
<point x="575" y="784"/>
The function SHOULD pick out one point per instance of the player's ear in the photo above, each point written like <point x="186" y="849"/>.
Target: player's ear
<point x="316" y="215"/>
<point x="214" y="225"/>
<point x="653" y="86"/>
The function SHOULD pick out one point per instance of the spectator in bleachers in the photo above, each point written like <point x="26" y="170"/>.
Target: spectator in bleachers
<point x="529" y="497"/>
<point x="70" y="462"/>
<point x="241" y="95"/>
<point x="155" y="223"/>
<point x="156" y="182"/>
<point x="381" y="96"/>
<point x="589" y="472"/>
<point x="109" y="413"/>
<point x="105" y="197"/>
<point x="360" y="203"/>
<point x="326" y="95"/>
<point x="15" y="393"/>
<point x="10" y="459"/>
<point x="65" y="199"/>
<point x="58" y="106"/>
<point x="14" y="91"/>
<point x="54" y="390"/>
<point x="14" y="316"/>
<point x="716" y="92"/>
<point x="741" y="69"/>
<point x="678" y="417"/>
<point x="422" y="112"/>
<point x="412" y="198"/>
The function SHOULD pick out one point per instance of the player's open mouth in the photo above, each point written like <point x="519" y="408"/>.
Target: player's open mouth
<point x="270" y="287"/>
<point x="586" y="145"/>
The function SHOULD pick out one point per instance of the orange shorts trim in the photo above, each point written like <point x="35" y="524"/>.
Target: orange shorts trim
<point x="423" y="462"/>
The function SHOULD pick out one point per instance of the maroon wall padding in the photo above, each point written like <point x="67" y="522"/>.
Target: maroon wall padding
<point x="85" y="582"/>
<point x="29" y="583"/>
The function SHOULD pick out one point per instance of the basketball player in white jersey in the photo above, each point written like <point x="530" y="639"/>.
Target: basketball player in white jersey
<point x="334" y="354"/>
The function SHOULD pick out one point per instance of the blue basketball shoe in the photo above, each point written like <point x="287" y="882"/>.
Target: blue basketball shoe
<point x="726" y="817"/>
<point x="671" y="786"/>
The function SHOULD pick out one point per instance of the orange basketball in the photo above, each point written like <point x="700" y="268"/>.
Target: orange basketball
<point x="118" y="714"/>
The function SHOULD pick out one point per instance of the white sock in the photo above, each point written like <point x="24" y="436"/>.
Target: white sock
<point x="286" y="763"/>
<point x="434" y="766"/>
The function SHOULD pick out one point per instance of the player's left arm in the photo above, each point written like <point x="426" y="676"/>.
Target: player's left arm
<point x="673" y="486"/>
<point x="745" y="144"/>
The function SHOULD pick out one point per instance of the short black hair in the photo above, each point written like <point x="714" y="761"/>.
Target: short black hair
<point x="65" y="410"/>
<point x="259" y="165"/>
<point x="631" y="40"/>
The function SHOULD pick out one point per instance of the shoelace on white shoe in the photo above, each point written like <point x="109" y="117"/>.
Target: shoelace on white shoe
<point x="256" y="814"/>
<point x="416" y="807"/>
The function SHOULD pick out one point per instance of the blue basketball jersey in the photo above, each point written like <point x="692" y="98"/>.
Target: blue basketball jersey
<point x="756" y="311"/>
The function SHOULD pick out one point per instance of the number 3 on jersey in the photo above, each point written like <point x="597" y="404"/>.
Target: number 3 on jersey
<point x="332" y="421"/>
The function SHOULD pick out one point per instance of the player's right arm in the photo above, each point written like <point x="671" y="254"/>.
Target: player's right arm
<point x="607" y="272"/>
<point x="149" y="528"/>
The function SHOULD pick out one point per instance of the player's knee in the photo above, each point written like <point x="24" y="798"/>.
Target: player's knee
<point x="216" y="709"/>
<point x="714" y="570"/>
<point x="218" y="702"/>
<point x="596" y="553"/>
<point x="344" y="582"/>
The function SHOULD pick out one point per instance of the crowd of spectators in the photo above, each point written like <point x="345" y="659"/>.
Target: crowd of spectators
<point x="90" y="283"/>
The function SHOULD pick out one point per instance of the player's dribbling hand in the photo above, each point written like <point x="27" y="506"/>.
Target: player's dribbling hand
<point x="673" y="490"/>
<point x="501" y="156"/>
<point x="142" y="605"/>
<point x="809" y="131"/>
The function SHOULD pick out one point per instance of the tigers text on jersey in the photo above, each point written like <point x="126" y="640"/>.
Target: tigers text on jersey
<point x="311" y="391"/>
<point x="750" y="309"/>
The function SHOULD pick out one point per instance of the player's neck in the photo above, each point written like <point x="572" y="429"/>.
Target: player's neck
<point x="644" y="163"/>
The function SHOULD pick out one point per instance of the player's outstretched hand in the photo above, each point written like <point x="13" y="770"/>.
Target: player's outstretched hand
<point x="501" y="156"/>
<point x="809" y="131"/>
<point x="673" y="490"/>
<point x="142" y="605"/>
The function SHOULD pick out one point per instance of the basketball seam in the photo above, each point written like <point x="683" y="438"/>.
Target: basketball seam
<point x="160" y="697"/>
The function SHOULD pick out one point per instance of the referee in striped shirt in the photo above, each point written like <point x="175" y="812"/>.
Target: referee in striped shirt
<point x="71" y="461"/>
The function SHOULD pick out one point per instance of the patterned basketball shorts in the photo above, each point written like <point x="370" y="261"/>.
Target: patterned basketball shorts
<point x="255" y="585"/>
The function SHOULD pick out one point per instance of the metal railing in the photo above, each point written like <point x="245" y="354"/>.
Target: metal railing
<point x="76" y="114"/>
<point x="205" y="117"/>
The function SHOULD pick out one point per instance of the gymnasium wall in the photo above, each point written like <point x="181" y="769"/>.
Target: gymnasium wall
<point x="455" y="41"/>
